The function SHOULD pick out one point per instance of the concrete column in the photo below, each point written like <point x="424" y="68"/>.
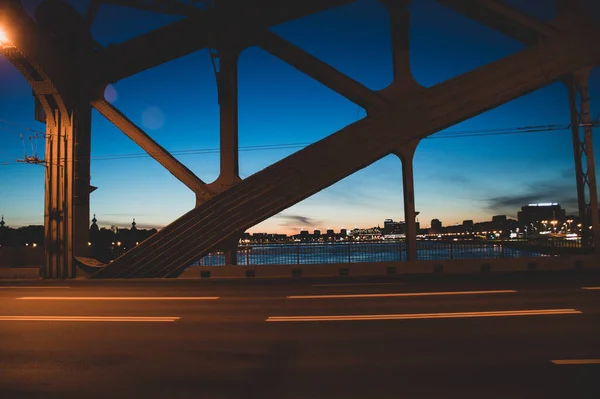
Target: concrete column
<point x="399" y="12"/>
<point x="66" y="204"/>
<point x="400" y="32"/>
<point x="406" y="155"/>
<point x="227" y="82"/>
<point x="56" y="242"/>
<point x="230" y="249"/>
<point x="81" y="121"/>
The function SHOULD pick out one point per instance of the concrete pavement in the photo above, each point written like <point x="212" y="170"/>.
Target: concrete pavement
<point x="198" y="339"/>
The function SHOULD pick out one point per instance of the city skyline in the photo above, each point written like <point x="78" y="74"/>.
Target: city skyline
<point x="456" y="178"/>
<point x="348" y="227"/>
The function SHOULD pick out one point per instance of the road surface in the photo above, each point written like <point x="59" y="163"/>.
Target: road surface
<point x="496" y="336"/>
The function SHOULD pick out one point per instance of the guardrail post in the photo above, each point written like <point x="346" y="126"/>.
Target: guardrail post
<point x="348" y="246"/>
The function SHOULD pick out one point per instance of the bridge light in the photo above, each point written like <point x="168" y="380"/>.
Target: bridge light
<point x="4" y="41"/>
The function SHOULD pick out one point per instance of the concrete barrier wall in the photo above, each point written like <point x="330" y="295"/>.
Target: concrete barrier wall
<point x="21" y="257"/>
<point x="393" y="268"/>
<point x="19" y="273"/>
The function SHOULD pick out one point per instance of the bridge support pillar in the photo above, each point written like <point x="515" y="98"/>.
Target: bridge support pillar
<point x="227" y="85"/>
<point x="230" y="249"/>
<point x="399" y="12"/>
<point x="406" y="155"/>
<point x="66" y="205"/>
<point x="585" y="170"/>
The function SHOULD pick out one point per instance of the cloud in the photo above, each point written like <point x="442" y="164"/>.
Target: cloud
<point x="560" y="190"/>
<point x="568" y="173"/>
<point x="296" y="220"/>
<point x="453" y="178"/>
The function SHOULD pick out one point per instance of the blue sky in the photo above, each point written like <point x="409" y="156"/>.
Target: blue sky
<point x="456" y="178"/>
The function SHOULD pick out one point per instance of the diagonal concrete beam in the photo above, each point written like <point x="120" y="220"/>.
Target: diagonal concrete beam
<point x="91" y="12"/>
<point x="237" y="20"/>
<point x="320" y="71"/>
<point x="153" y="149"/>
<point x="503" y="18"/>
<point x="306" y="172"/>
<point x="163" y="7"/>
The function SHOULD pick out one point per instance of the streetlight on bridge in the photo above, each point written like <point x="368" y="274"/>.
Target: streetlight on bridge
<point x="4" y="41"/>
<point x="3" y="37"/>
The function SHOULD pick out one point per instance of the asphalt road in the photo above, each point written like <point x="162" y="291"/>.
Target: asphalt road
<point x="227" y="339"/>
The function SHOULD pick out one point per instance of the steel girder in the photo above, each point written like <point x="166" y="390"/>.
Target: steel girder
<point x="320" y="71"/>
<point x="234" y="19"/>
<point x="58" y="82"/>
<point x="409" y="118"/>
<point x="155" y="150"/>
<point x="503" y="18"/>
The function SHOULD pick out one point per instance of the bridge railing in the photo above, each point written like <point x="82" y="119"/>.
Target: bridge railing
<point x="391" y="251"/>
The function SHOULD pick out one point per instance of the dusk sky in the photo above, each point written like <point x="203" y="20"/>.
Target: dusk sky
<point x="457" y="178"/>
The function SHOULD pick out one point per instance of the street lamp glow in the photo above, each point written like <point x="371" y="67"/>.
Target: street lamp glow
<point x="4" y="42"/>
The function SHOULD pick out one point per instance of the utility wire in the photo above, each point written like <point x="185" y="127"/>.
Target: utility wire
<point x="441" y="135"/>
<point x="19" y="126"/>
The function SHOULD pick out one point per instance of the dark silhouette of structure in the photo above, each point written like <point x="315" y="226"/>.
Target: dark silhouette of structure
<point x="535" y="213"/>
<point x="436" y="226"/>
<point x="68" y="72"/>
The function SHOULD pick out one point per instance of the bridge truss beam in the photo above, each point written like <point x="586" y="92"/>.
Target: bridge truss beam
<point x="585" y="170"/>
<point x="63" y="93"/>
<point x="238" y="18"/>
<point x="155" y="150"/>
<point x="66" y="83"/>
<point x="503" y="18"/>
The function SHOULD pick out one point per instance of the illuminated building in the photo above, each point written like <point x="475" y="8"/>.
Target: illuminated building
<point x="534" y="213"/>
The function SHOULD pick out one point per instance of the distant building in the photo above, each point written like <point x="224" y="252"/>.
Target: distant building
<point x="343" y="232"/>
<point x="499" y="219"/>
<point x="468" y="226"/>
<point x="436" y="226"/>
<point x="317" y="233"/>
<point x="535" y="213"/>
<point x="391" y="227"/>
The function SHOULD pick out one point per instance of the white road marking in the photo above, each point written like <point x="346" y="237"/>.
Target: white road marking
<point x="16" y="287"/>
<point x="353" y="284"/>
<point x="401" y="294"/>
<point x="409" y="316"/>
<point x="591" y="288"/>
<point x="118" y="298"/>
<point x="577" y="361"/>
<point x="89" y="318"/>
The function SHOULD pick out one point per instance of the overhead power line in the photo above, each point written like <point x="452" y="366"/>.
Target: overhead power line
<point x="266" y="147"/>
<point x="18" y="126"/>
<point x="442" y="135"/>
